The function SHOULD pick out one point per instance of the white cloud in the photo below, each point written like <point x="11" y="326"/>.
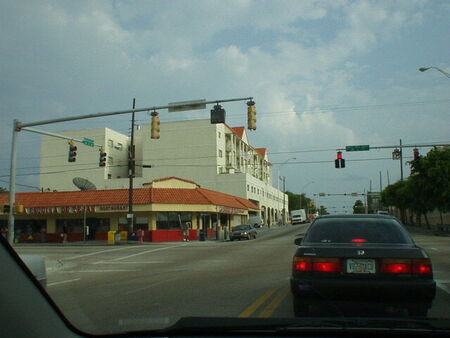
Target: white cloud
<point x="65" y="57"/>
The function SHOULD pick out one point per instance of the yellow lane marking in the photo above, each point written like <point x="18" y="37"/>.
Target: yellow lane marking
<point x="268" y="311"/>
<point x="257" y="303"/>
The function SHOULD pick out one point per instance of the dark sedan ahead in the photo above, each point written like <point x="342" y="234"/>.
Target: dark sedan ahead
<point x="367" y="260"/>
<point x="243" y="231"/>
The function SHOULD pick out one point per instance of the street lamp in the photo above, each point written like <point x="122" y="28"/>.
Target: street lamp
<point x="279" y="168"/>
<point x="424" y="69"/>
<point x="284" y="187"/>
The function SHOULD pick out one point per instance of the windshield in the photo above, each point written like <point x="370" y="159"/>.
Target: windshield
<point x="167" y="159"/>
<point x="357" y="230"/>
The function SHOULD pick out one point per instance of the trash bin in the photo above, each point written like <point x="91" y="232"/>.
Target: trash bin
<point x="111" y="238"/>
<point x="117" y="237"/>
<point x="201" y="235"/>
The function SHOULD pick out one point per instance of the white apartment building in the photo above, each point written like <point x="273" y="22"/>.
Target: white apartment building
<point x="216" y="156"/>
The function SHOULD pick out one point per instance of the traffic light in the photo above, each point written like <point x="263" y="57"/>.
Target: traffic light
<point x="339" y="162"/>
<point x="155" y="125"/>
<point x="217" y="114"/>
<point x="102" y="158"/>
<point x="416" y="153"/>
<point x="72" y="152"/>
<point x="396" y="154"/>
<point x="251" y="115"/>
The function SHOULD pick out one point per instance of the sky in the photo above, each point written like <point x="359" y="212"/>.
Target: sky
<point x="323" y="74"/>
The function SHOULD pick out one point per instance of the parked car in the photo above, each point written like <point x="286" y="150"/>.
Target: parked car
<point x="243" y="231"/>
<point x="361" y="259"/>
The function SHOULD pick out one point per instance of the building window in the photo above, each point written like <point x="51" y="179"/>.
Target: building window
<point x="171" y="220"/>
<point x="110" y="160"/>
<point x="119" y="146"/>
<point x="110" y="143"/>
<point x="248" y="187"/>
<point x="220" y="153"/>
<point x="109" y="176"/>
<point x="218" y="134"/>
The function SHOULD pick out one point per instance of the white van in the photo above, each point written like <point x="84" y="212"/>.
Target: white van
<point x="256" y="221"/>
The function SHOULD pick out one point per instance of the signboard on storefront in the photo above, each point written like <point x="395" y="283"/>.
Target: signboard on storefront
<point x="228" y="210"/>
<point x="59" y="210"/>
<point x="77" y="209"/>
<point x="112" y="207"/>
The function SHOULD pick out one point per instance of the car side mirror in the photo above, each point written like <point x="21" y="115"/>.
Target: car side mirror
<point x="298" y="241"/>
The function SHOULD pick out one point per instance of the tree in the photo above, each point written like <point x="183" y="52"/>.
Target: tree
<point x="430" y="179"/>
<point x="3" y="190"/>
<point x="427" y="188"/>
<point x="396" y="195"/>
<point x="300" y="201"/>
<point x="359" y="208"/>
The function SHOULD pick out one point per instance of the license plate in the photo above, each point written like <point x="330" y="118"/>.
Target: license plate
<point x="361" y="266"/>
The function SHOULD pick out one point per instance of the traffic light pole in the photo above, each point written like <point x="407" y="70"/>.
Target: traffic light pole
<point x="18" y="126"/>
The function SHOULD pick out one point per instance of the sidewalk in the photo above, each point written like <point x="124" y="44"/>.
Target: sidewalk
<point x="424" y="231"/>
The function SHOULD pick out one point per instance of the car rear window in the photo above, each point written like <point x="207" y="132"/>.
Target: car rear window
<point x="241" y="227"/>
<point x="357" y="230"/>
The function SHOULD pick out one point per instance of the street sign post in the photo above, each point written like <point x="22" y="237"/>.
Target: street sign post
<point x="363" y="147"/>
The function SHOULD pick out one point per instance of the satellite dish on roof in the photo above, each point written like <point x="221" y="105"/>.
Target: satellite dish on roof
<point x="83" y="184"/>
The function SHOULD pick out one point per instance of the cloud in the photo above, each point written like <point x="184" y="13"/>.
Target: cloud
<point x="300" y="58"/>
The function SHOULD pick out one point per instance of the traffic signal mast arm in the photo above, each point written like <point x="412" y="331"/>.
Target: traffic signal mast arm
<point x="64" y="137"/>
<point x="403" y="146"/>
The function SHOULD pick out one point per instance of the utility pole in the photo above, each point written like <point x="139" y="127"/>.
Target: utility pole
<point x="131" y="172"/>
<point x="284" y="199"/>
<point x="401" y="161"/>
<point x="12" y="183"/>
<point x="381" y="182"/>
<point x="388" y="181"/>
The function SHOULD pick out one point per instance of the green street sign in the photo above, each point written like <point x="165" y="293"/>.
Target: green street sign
<point x="88" y="142"/>
<point x="364" y="147"/>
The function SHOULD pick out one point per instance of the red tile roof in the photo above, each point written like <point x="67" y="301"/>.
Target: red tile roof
<point x="72" y="198"/>
<point x="261" y="151"/>
<point x="225" y="200"/>
<point x="177" y="196"/>
<point x="120" y="197"/>
<point x="239" y="131"/>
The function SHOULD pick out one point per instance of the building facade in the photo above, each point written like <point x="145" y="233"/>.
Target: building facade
<point x="216" y="156"/>
<point x="160" y="208"/>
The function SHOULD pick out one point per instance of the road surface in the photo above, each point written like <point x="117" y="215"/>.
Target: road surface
<point x="103" y="289"/>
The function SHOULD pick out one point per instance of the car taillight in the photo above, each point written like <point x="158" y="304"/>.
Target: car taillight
<point x="406" y="266"/>
<point x="306" y="264"/>
<point x="302" y="264"/>
<point x="396" y="268"/>
<point x="422" y="266"/>
<point x="359" y="240"/>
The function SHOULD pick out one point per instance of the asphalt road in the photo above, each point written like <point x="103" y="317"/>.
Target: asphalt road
<point x="103" y="289"/>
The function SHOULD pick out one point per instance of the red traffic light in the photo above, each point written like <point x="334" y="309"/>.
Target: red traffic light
<point x="339" y="155"/>
<point x="416" y="153"/>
